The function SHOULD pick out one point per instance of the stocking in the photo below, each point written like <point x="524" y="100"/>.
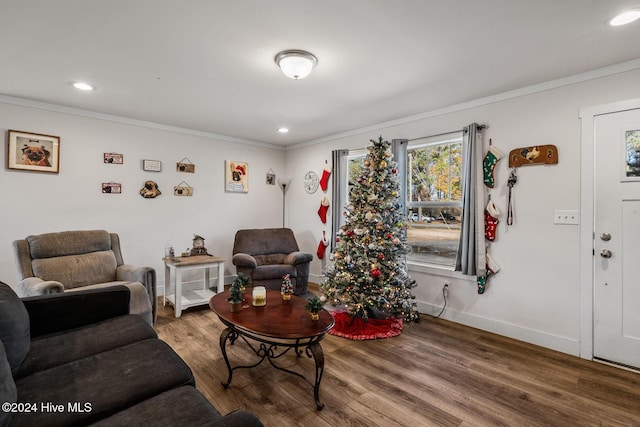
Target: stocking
<point x="482" y="281"/>
<point x="322" y="246"/>
<point x="489" y="164"/>
<point x="490" y="224"/>
<point x="324" y="207"/>
<point x="492" y="266"/>
<point x="324" y="180"/>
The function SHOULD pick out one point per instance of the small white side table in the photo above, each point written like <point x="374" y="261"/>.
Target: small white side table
<point x="181" y="300"/>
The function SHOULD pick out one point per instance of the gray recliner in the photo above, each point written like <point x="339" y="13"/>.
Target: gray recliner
<point x="72" y="260"/>
<point x="265" y="255"/>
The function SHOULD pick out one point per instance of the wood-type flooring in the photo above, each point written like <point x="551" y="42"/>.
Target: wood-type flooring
<point x="436" y="373"/>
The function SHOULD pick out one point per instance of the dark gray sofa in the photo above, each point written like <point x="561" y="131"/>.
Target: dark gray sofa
<point x="265" y="255"/>
<point x="80" y="358"/>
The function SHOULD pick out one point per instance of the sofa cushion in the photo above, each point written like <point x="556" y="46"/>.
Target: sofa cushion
<point x="57" y="349"/>
<point x="77" y="270"/>
<point x="14" y="326"/>
<point x="7" y="386"/>
<point x="180" y="406"/>
<point x="65" y="243"/>
<point x="110" y="382"/>
<point x="265" y="241"/>
<point x="264" y="272"/>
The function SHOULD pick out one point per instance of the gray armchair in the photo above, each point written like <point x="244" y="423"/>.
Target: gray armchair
<point x="72" y="260"/>
<point x="265" y="255"/>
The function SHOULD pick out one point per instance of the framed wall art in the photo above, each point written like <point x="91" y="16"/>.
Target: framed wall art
<point x="236" y="177"/>
<point x="113" y="158"/>
<point x="111" y="188"/>
<point x="33" y="152"/>
<point x="185" y="165"/>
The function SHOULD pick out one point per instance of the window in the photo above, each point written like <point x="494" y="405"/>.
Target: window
<point x="431" y="179"/>
<point x="434" y="198"/>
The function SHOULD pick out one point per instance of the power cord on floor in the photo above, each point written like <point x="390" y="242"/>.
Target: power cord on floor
<point x="445" y="292"/>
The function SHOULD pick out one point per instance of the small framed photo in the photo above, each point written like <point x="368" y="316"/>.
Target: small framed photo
<point x="271" y="177"/>
<point x="152" y="165"/>
<point x="33" y="152"/>
<point x="111" y="188"/>
<point x="114" y="158"/>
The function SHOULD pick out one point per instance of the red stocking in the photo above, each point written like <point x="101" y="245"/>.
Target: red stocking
<point x="490" y="224"/>
<point x="324" y="180"/>
<point x="322" y="246"/>
<point x="324" y="207"/>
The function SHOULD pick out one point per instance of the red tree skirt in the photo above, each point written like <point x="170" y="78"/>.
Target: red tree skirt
<point x="355" y="328"/>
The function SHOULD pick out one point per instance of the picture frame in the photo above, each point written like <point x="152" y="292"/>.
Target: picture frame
<point x="113" y="158"/>
<point x="33" y="152"/>
<point x="111" y="188"/>
<point x="236" y="177"/>
<point x="271" y="177"/>
<point x="151" y="165"/>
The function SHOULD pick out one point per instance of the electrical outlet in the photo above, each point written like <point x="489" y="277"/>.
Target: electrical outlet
<point x="445" y="289"/>
<point x="566" y="217"/>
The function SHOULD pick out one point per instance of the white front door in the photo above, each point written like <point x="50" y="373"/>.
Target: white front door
<point x="616" y="316"/>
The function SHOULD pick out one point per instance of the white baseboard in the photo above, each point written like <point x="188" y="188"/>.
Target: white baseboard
<point x="532" y="336"/>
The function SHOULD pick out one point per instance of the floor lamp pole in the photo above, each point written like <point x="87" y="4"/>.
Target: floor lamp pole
<point x="284" y="183"/>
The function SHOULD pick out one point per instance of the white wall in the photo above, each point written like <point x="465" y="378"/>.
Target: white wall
<point x="34" y="203"/>
<point x="535" y="297"/>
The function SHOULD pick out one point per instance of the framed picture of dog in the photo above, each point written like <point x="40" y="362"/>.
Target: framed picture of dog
<point x="33" y="152"/>
<point x="236" y="177"/>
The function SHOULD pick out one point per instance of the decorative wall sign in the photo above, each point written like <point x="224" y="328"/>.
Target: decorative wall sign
<point x="150" y="190"/>
<point x="539" y="154"/>
<point x="311" y="182"/>
<point x="111" y="188"/>
<point x="237" y="177"/>
<point x="185" y="165"/>
<point x="271" y="177"/>
<point x="113" y="158"/>
<point x="183" y="189"/>
<point x="152" y="165"/>
<point x="33" y="152"/>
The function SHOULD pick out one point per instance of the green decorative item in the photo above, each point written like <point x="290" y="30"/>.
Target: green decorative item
<point x="314" y="306"/>
<point x="236" y="292"/>
<point x="369" y="276"/>
<point x="286" y="289"/>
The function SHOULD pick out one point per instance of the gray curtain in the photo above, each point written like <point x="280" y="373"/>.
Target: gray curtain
<point x="338" y="190"/>
<point x="471" y="256"/>
<point x="399" y="150"/>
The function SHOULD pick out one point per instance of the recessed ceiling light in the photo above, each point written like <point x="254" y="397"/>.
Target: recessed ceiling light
<point x="625" y="18"/>
<point x="83" y="86"/>
<point x="283" y="130"/>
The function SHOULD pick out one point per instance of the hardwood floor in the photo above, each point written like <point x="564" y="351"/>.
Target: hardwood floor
<point x="436" y="373"/>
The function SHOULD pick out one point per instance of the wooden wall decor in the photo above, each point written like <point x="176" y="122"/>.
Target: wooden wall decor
<point x="539" y="154"/>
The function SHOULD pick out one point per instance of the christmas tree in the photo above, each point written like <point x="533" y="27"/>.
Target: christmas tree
<point x="369" y="273"/>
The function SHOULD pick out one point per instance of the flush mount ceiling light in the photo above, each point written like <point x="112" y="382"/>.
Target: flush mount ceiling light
<point x="296" y="64"/>
<point x="625" y="18"/>
<point x="83" y="86"/>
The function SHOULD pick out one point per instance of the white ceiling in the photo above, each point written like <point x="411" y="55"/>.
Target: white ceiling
<point x="207" y="65"/>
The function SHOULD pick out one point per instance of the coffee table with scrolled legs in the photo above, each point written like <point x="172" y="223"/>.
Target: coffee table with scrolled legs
<point x="271" y="331"/>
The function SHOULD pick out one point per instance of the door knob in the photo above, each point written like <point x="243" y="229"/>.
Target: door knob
<point x="606" y="253"/>
<point x="605" y="237"/>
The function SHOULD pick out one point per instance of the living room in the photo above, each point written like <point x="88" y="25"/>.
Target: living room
<point x="537" y="297"/>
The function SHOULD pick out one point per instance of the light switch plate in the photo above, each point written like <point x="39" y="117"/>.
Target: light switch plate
<point x="566" y="217"/>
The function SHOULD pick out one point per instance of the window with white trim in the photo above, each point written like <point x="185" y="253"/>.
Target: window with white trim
<point x="434" y="198"/>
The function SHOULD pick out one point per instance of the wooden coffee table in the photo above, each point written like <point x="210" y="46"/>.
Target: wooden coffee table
<point x="272" y="331"/>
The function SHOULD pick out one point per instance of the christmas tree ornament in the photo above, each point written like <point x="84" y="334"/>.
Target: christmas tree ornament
<point x="489" y="163"/>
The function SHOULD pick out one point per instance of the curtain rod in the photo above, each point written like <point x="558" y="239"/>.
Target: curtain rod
<point x="480" y="127"/>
